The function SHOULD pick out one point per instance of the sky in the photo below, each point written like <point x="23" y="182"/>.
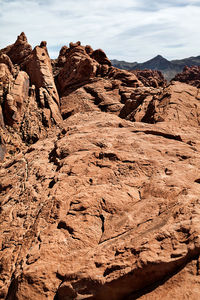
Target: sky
<point x="131" y="30"/>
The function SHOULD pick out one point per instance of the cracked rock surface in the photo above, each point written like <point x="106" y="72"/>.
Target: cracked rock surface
<point x="99" y="180"/>
<point x="102" y="210"/>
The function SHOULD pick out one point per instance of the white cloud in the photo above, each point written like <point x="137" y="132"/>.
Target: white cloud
<point x="129" y="29"/>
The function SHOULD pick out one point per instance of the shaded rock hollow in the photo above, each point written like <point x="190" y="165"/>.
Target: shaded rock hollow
<point x="99" y="179"/>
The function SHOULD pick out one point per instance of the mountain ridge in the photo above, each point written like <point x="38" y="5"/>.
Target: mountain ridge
<point x="160" y="63"/>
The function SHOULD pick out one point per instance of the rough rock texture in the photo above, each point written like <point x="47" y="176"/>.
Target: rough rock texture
<point x="86" y="81"/>
<point x="190" y="75"/>
<point x="29" y="98"/>
<point x="78" y="68"/>
<point x="102" y="206"/>
<point x="100" y="56"/>
<point x="178" y="102"/>
<point x="2" y="144"/>
<point x="152" y="78"/>
<point x="5" y="59"/>
<point x="15" y="98"/>
<point x="101" y="94"/>
<point x="19" y="50"/>
<point x="98" y="207"/>
<point x="38" y="66"/>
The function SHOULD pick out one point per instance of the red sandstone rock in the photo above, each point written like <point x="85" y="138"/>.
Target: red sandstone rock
<point x="2" y="145"/>
<point x="100" y="56"/>
<point x="89" y="49"/>
<point x="100" y="95"/>
<point x="74" y="45"/>
<point x="86" y="85"/>
<point x="38" y="66"/>
<point x="1" y="118"/>
<point x="78" y="69"/>
<point x="152" y="78"/>
<point x="15" y="98"/>
<point x="190" y="75"/>
<point x="126" y="213"/>
<point x="5" y="80"/>
<point x="19" y="50"/>
<point x="178" y="103"/>
<point x="62" y="56"/>
<point x="5" y="75"/>
<point x="4" y="59"/>
<point x="127" y="78"/>
<point x="100" y="207"/>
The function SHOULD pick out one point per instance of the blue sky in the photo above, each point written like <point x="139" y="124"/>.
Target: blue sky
<point x="131" y="30"/>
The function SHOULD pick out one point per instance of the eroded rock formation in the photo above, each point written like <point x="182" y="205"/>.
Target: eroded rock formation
<point x="19" y="50"/>
<point x="190" y="75"/>
<point x="99" y="180"/>
<point x="152" y="78"/>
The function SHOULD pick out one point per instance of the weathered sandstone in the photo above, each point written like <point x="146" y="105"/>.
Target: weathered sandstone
<point x="190" y="75"/>
<point x="19" y="50"/>
<point x="99" y="180"/>
<point x="151" y="78"/>
<point x="79" y="68"/>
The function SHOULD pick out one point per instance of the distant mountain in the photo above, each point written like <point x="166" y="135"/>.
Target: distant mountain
<point x="121" y="64"/>
<point x="168" y="68"/>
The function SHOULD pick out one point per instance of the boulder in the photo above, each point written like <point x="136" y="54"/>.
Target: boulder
<point x="127" y="78"/>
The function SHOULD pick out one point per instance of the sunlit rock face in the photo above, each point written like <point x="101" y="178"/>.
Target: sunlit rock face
<point x="99" y="179"/>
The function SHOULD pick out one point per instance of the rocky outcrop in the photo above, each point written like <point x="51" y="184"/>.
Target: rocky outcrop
<point x="29" y="98"/>
<point x="5" y="80"/>
<point x="38" y="66"/>
<point x="78" y="69"/>
<point x="190" y="75"/>
<point x="21" y="111"/>
<point x="16" y="96"/>
<point x="62" y="56"/>
<point x="103" y="202"/>
<point x="177" y="103"/>
<point x="88" y="82"/>
<point x="19" y="50"/>
<point x="100" y="56"/>
<point x="5" y="59"/>
<point x="99" y="95"/>
<point x="152" y="78"/>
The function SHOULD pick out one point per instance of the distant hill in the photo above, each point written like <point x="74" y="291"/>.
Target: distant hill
<point x="121" y="64"/>
<point x="168" y="68"/>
